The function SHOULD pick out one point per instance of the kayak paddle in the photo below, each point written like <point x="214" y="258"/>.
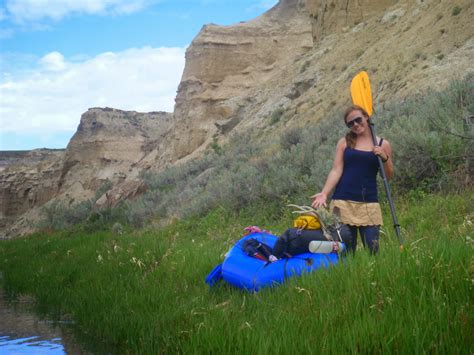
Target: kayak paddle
<point x="361" y="94"/>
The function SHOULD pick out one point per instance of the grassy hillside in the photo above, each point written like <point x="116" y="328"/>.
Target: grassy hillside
<point x="144" y="292"/>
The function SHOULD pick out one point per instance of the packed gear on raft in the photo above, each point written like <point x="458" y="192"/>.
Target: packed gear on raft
<point x="312" y="225"/>
<point x="312" y="231"/>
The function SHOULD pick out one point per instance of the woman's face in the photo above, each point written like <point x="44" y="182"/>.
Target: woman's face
<point x="356" y="121"/>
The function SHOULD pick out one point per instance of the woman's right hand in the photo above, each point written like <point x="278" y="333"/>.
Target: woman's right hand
<point x="319" y="200"/>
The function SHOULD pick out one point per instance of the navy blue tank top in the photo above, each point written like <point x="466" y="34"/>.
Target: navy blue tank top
<point x="359" y="177"/>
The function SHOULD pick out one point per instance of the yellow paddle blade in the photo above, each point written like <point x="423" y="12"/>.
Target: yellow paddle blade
<point x="361" y="92"/>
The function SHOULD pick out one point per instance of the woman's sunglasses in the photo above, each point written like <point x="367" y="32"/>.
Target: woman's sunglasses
<point x="357" y="120"/>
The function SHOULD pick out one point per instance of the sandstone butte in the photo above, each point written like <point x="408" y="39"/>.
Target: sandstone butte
<point x="298" y="57"/>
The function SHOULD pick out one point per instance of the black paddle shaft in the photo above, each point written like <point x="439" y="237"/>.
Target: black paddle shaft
<point x="387" y="187"/>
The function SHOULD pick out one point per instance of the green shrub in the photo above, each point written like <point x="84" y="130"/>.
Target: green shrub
<point x="103" y="189"/>
<point x="216" y="147"/>
<point x="305" y="66"/>
<point x="430" y="136"/>
<point x="456" y="10"/>
<point x="290" y="138"/>
<point x="276" y="116"/>
<point x="58" y="216"/>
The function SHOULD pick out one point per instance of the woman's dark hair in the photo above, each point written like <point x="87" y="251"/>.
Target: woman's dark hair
<point x="351" y="137"/>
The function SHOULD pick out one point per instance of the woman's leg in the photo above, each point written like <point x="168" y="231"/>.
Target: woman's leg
<point x="353" y="243"/>
<point x="370" y="237"/>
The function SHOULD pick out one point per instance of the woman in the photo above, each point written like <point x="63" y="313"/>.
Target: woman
<point x="354" y="175"/>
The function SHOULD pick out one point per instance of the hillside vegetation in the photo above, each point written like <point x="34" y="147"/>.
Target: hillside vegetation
<point x="432" y="136"/>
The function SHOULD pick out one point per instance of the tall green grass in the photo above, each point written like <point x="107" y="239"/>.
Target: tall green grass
<point x="144" y="291"/>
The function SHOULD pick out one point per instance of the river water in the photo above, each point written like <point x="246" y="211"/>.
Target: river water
<point x="23" y="332"/>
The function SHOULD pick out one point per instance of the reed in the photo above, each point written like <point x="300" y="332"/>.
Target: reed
<point x="144" y="292"/>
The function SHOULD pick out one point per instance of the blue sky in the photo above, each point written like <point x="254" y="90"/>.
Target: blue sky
<point x="60" y="57"/>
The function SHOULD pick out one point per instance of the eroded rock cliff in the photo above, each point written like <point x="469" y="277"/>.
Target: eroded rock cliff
<point x="107" y="146"/>
<point x="224" y="64"/>
<point x="106" y="149"/>
<point x="27" y="180"/>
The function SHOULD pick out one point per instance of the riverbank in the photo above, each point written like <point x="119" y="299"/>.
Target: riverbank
<point x="143" y="291"/>
<point x="22" y="331"/>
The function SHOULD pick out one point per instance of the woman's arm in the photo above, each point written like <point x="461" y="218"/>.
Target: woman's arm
<point x="333" y="178"/>
<point x="385" y="153"/>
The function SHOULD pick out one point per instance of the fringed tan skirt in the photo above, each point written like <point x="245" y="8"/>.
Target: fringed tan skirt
<point x="357" y="213"/>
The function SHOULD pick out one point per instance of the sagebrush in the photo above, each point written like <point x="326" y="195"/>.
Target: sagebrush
<point x="431" y="134"/>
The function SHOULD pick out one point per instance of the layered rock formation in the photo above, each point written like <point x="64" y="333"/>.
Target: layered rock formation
<point x="332" y="17"/>
<point x="106" y="149"/>
<point x="224" y="64"/>
<point x="107" y="146"/>
<point x="286" y="68"/>
<point x="27" y="180"/>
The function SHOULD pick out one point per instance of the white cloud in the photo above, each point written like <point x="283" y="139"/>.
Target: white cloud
<point x="53" y="61"/>
<point x="53" y="97"/>
<point x="32" y="10"/>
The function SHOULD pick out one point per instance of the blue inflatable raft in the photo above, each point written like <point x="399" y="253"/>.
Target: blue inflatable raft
<point x="252" y="274"/>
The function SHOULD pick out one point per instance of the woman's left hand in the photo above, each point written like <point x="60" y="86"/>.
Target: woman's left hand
<point x="380" y="152"/>
<point x="385" y="154"/>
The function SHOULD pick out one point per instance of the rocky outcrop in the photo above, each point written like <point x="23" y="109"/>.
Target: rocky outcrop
<point x="287" y="68"/>
<point x="109" y="148"/>
<point x="224" y="64"/>
<point x="332" y="16"/>
<point x="126" y="190"/>
<point x="27" y="157"/>
<point x="27" y="180"/>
